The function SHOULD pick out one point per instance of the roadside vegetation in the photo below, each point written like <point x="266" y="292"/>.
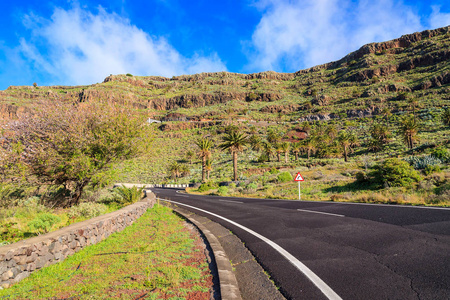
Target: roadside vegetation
<point x="371" y="127"/>
<point x="157" y="257"/>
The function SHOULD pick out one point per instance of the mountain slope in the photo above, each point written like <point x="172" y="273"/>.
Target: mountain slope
<point x="365" y="82"/>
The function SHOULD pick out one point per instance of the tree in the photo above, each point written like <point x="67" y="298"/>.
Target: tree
<point x="190" y="155"/>
<point x="235" y="142"/>
<point x="285" y="147"/>
<point x="380" y="136"/>
<point x="278" y="149"/>
<point x="66" y="144"/>
<point x="255" y="142"/>
<point x="208" y="167"/>
<point x="409" y="130"/>
<point x="268" y="150"/>
<point x="296" y="148"/>
<point x="204" y="151"/>
<point x="347" y="140"/>
<point x="309" y="145"/>
<point x="175" y="170"/>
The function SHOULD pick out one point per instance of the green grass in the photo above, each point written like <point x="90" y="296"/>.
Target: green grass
<point x="162" y="257"/>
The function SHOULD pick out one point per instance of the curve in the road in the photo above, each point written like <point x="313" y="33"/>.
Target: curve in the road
<point x="316" y="280"/>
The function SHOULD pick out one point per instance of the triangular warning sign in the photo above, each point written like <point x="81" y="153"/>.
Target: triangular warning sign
<point x="299" y="177"/>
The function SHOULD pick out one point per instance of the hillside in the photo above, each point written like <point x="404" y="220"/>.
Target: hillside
<point x="378" y="84"/>
<point x="362" y="83"/>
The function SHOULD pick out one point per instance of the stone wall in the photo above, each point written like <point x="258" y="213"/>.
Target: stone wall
<point x="18" y="260"/>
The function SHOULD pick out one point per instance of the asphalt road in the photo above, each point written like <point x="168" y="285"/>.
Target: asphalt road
<point x="360" y="251"/>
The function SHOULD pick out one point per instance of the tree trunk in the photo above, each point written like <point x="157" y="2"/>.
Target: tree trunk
<point x="203" y="168"/>
<point x="286" y="157"/>
<point x="278" y="156"/>
<point x="345" y="154"/>
<point x="235" y="165"/>
<point x="309" y="152"/>
<point x="296" y="155"/>
<point x="207" y="174"/>
<point x="76" y="195"/>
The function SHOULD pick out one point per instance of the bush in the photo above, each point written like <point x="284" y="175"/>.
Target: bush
<point x="207" y="186"/>
<point x="43" y="223"/>
<point x="251" y="187"/>
<point x="421" y="163"/>
<point x="129" y="195"/>
<point x="87" y="210"/>
<point x="431" y="169"/>
<point x="273" y="170"/>
<point x="441" y="153"/>
<point x="222" y="191"/>
<point x="395" y="172"/>
<point x="284" y="177"/>
<point x="361" y="177"/>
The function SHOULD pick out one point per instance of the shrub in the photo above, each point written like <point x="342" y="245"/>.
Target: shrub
<point x="43" y="223"/>
<point x="222" y="191"/>
<point x="361" y="177"/>
<point x="441" y="153"/>
<point x="129" y="75"/>
<point x="431" y="169"/>
<point x="207" y="186"/>
<point x="251" y="187"/>
<point x="129" y="195"/>
<point x="284" y="177"/>
<point x="421" y="163"/>
<point x="273" y="170"/>
<point x="395" y="172"/>
<point x="86" y="210"/>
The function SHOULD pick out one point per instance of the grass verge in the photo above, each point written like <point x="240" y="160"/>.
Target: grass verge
<point x="155" y="258"/>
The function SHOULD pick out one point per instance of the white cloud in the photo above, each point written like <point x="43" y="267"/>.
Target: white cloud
<point x="438" y="19"/>
<point x="297" y="34"/>
<point x="79" y="47"/>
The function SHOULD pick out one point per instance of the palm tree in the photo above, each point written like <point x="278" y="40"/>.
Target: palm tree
<point x="268" y="150"/>
<point x="285" y="147"/>
<point x="380" y="136"/>
<point x="413" y="103"/>
<point x="278" y="150"/>
<point x="310" y="145"/>
<point x="208" y="168"/>
<point x="256" y="142"/>
<point x="235" y="142"/>
<point x="409" y="130"/>
<point x="204" y="151"/>
<point x="175" y="170"/>
<point x="296" y="148"/>
<point x="190" y="155"/>
<point x="347" y="140"/>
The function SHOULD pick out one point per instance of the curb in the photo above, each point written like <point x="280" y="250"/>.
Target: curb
<point x="229" y="288"/>
<point x="240" y="274"/>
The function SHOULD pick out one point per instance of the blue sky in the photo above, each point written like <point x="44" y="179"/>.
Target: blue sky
<point x="81" y="41"/>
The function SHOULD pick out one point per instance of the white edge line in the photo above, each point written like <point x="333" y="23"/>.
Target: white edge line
<point x="316" y="280"/>
<point x="320" y="212"/>
<point x="230" y="201"/>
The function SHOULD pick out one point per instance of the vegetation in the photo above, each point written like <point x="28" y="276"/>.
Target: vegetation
<point x="235" y="142"/>
<point x="157" y="257"/>
<point x="66" y="145"/>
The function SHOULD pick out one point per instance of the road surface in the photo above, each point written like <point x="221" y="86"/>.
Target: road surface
<point x="352" y="251"/>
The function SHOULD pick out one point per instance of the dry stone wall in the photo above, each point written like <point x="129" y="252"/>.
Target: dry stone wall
<point x="18" y="260"/>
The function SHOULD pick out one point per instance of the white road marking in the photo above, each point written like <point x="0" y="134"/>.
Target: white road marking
<point x="230" y="201"/>
<point x="319" y="212"/>
<point x="316" y="280"/>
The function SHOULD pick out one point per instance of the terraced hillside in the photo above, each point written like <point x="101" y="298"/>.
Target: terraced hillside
<point x="381" y="83"/>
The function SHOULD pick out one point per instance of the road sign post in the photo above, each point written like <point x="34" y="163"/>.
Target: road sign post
<point x="299" y="178"/>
